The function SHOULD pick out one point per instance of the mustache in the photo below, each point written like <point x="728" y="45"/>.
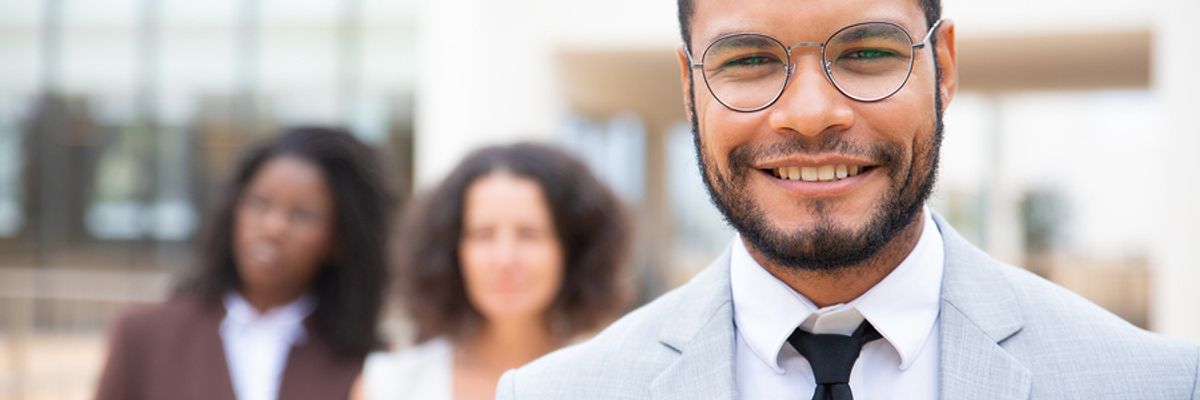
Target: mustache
<point x="881" y="153"/>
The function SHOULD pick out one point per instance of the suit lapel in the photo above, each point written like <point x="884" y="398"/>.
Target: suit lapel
<point x="315" y="371"/>
<point x="979" y="312"/>
<point x="296" y="372"/>
<point x="974" y="366"/>
<point x="211" y="378"/>
<point x="701" y="331"/>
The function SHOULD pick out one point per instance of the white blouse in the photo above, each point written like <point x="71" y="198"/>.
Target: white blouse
<point x="422" y="372"/>
<point x="257" y="345"/>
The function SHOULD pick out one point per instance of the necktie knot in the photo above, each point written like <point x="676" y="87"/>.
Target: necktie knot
<point x="832" y="357"/>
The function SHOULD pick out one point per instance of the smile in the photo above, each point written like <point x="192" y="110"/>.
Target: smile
<point x="823" y="173"/>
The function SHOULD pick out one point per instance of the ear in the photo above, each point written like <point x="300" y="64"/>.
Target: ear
<point x="947" y="60"/>
<point x="685" y="80"/>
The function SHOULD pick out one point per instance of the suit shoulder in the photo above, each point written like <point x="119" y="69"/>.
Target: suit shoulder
<point x="1074" y="324"/>
<point x="1044" y="302"/>
<point x="619" y="358"/>
<point x="147" y="319"/>
<point x="637" y="329"/>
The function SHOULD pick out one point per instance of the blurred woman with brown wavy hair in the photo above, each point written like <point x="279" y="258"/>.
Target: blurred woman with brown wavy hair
<point x="518" y="251"/>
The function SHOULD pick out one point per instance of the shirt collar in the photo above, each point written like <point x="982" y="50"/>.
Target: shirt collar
<point x="903" y="307"/>
<point x="287" y="321"/>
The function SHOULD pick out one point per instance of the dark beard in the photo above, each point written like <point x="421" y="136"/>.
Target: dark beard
<point x="824" y="246"/>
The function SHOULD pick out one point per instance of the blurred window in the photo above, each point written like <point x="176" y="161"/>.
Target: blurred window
<point x="10" y="172"/>
<point x="614" y="149"/>
<point x="700" y="233"/>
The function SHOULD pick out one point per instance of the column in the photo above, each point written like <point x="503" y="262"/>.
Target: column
<point x="484" y="75"/>
<point x="1176" y="289"/>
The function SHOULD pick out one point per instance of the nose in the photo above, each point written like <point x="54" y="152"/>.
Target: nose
<point x="273" y="223"/>
<point x="504" y="251"/>
<point x="810" y="105"/>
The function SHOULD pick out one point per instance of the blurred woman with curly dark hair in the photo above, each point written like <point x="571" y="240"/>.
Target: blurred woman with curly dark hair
<point x="286" y="301"/>
<point x="517" y="252"/>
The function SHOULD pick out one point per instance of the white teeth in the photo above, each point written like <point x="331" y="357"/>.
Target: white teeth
<point x="824" y="173"/>
<point x="808" y="174"/>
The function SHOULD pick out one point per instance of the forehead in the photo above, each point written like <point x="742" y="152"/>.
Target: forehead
<point x="798" y="20"/>
<point x="505" y="194"/>
<point x="287" y="169"/>
<point x="292" y="178"/>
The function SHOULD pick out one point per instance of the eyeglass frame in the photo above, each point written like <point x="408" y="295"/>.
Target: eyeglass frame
<point x="825" y="63"/>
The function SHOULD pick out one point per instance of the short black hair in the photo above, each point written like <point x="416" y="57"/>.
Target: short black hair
<point x="932" y="9"/>
<point x="350" y="294"/>
<point x="591" y="226"/>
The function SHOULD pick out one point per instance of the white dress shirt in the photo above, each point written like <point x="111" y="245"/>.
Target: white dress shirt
<point x="257" y="345"/>
<point x="903" y="307"/>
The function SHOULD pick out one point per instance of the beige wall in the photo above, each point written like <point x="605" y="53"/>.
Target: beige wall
<point x="1176" y="289"/>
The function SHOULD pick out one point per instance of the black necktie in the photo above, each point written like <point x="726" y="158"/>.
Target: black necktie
<point x="832" y="357"/>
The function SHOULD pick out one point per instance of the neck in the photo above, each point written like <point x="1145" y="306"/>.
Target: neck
<point x="826" y="288"/>
<point x="508" y="344"/>
<point x="263" y="302"/>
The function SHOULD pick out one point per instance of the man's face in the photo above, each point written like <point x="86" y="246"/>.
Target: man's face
<point x="819" y="224"/>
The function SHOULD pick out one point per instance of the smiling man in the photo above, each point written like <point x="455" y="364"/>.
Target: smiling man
<point x="818" y="126"/>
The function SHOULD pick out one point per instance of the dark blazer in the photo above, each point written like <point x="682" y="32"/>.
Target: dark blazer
<point x="173" y="351"/>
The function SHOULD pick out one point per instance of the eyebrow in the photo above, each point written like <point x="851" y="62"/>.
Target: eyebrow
<point x="727" y="33"/>
<point x="756" y="40"/>
<point x="730" y="32"/>
<point x="866" y="32"/>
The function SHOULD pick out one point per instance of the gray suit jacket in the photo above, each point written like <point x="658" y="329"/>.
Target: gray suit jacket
<point x="1006" y="334"/>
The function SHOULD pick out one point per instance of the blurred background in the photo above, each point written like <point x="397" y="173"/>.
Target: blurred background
<point x="1070" y="148"/>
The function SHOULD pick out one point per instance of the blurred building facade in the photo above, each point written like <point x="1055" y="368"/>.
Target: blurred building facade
<point x="120" y="122"/>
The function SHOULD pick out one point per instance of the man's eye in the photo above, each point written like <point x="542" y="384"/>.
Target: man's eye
<point x="749" y="61"/>
<point x="868" y="54"/>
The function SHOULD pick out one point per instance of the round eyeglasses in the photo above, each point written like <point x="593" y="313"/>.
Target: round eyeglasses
<point x="868" y="61"/>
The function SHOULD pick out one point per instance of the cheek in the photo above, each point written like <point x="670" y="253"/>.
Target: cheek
<point x="721" y="130"/>
<point x="470" y="262"/>
<point x="546" y="268"/>
<point x="900" y="120"/>
<point x="714" y="120"/>
<point x="479" y="274"/>
<point x="243" y="225"/>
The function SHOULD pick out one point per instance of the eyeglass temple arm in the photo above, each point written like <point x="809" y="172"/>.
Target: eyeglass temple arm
<point x="928" y="35"/>
<point x="692" y="62"/>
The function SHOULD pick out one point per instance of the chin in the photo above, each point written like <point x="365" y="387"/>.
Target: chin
<point x="498" y="316"/>
<point x="824" y="213"/>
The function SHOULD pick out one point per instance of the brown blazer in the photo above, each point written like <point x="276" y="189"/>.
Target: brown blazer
<point x="173" y="351"/>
